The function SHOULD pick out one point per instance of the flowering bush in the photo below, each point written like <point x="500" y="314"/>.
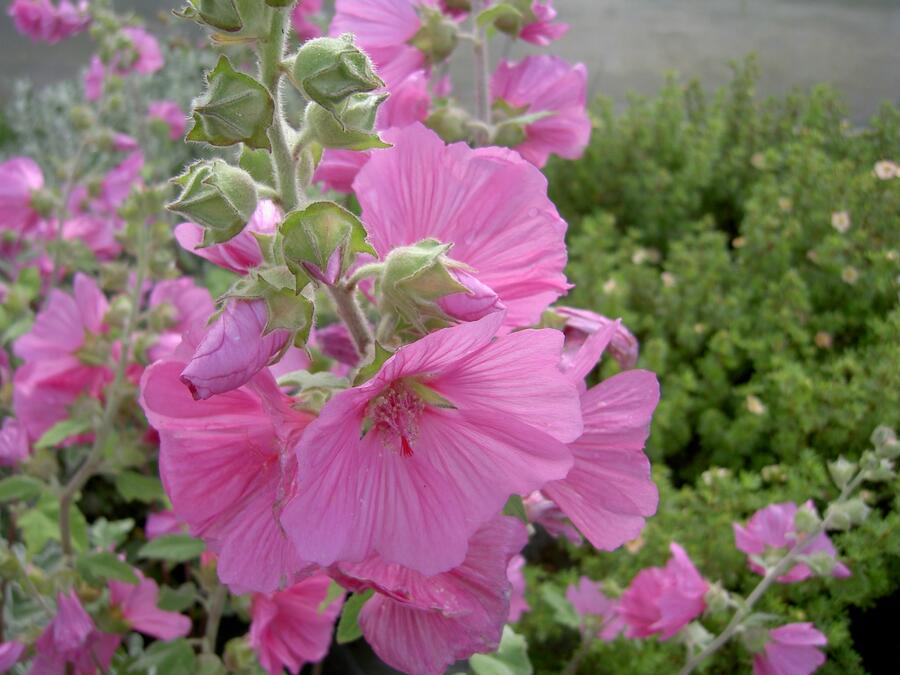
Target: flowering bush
<point x="383" y="404"/>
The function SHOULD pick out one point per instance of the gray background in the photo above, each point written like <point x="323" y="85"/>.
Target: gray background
<point x="628" y="45"/>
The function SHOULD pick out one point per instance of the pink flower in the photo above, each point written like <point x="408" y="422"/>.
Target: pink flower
<point x="186" y="303"/>
<point x="773" y="527"/>
<point x="384" y="29"/>
<point x="10" y="652"/>
<point x="409" y="102"/>
<point x="791" y="650"/>
<point x="93" y="79"/>
<point x="227" y="465"/>
<point x="145" y="57"/>
<point x="41" y="21"/>
<point x="546" y="85"/>
<point x="161" y="523"/>
<point x="421" y="624"/>
<point x="97" y="233"/>
<point x="489" y="203"/>
<point x="120" y="180"/>
<point x="137" y="604"/>
<point x="233" y="350"/>
<point x="582" y="323"/>
<point x="663" y="599"/>
<point x="20" y="177"/>
<point x="306" y="29"/>
<point x="170" y="113"/>
<point x="410" y="464"/>
<point x="597" y="611"/>
<point x="548" y="515"/>
<point x="239" y="254"/>
<point x="609" y="492"/>
<point x="335" y="342"/>
<point x="518" y="605"/>
<point x="71" y="638"/>
<point x="542" y="31"/>
<point x="475" y="303"/>
<point x="13" y="442"/>
<point x="289" y="629"/>
<point x="54" y="374"/>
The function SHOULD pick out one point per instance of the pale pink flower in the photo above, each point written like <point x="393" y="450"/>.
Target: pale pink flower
<point x="97" y="233"/>
<point x="383" y="29"/>
<point x="664" y="600"/>
<point x="791" y="650"/>
<point x="124" y="142"/>
<point x="489" y="203"/>
<point x="186" y="305"/>
<point x="542" y="31"/>
<point x="409" y="102"/>
<point x="227" y="465"/>
<point x="303" y="27"/>
<point x="239" y="254"/>
<point x="773" y="527"/>
<point x="42" y="21"/>
<point x="476" y="302"/>
<point x="171" y="114"/>
<point x="548" y="515"/>
<point x="20" y="177"/>
<point x="582" y="323"/>
<point x="93" y="79"/>
<point x="137" y="604"/>
<point x="421" y="624"/>
<point x="71" y="639"/>
<point x="53" y="374"/>
<point x="10" y="652"/>
<point x="145" y="57"/>
<point x="118" y="182"/>
<point x="161" y="523"/>
<point x="410" y="464"/>
<point x="294" y="359"/>
<point x="289" y="628"/>
<point x="234" y="348"/>
<point x="13" y="442"/>
<point x="335" y="342"/>
<point x="609" y="492"/>
<point x="546" y="85"/>
<point x="597" y="611"/>
<point x="518" y="605"/>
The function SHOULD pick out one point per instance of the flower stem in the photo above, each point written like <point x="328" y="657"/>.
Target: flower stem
<point x="583" y="649"/>
<point x="351" y="314"/>
<point x="482" y="68"/>
<point x="780" y="568"/>
<point x="271" y="53"/>
<point x="213" y="618"/>
<point x="62" y="212"/>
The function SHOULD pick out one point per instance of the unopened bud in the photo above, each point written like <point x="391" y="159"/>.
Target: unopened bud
<point x="717" y="599"/>
<point x="350" y="127"/>
<point x="885" y="441"/>
<point x="842" y="471"/>
<point x="218" y="197"/>
<point x="806" y="520"/>
<point x="476" y="302"/>
<point x="450" y="123"/>
<point x="844" y="515"/>
<point x="883" y="471"/>
<point x="82" y="117"/>
<point x="438" y="36"/>
<point x="244" y="18"/>
<point x="821" y="563"/>
<point x="234" y="109"/>
<point x="513" y="15"/>
<point x="327" y="70"/>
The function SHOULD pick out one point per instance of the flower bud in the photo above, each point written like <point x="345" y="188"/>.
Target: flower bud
<point x="350" y="127"/>
<point x="475" y="303"/>
<point x="843" y="515"/>
<point x="321" y="242"/>
<point x="459" y="5"/>
<point x="806" y="520"/>
<point x="234" y="109"/>
<point x="218" y="197"/>
<point x="510" y="134"/>
<point x="842" y="472"/>
<point x="437" y="37"/>
<point x="821" y="563"/>
<point x="885" y="441"/>
<point x="243" y="18"/>
<point x="450" y="123"/>
<point x="327" y="70"/>
<point x="718" y="600"/>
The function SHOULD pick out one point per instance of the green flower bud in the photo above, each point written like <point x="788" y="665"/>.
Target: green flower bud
<point x="510" y="134"/>
<point x="844" y="515"/>
<point x="821" y="563"/>
<point x="459" y="5"/>
<point x="508" y="17"/>
<point x="281" y="3"/>
<point x="842" y="472"/>
<point x="82" y="117"/>
<point x="234" y="109"/>
<point x="438" y="36"/>
<point x="350" y="127"/>
<point x="322" y="241"/>
<point x="240" y="18"/>
<point x="450" y="123"/>
<point x="885" y="441"/>
<point x="218" y="197"/>
<point x="327" y="70"/>
<point x="806" y="520"/>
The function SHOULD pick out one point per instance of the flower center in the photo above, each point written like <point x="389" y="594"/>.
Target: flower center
<point x="394" y="415"/>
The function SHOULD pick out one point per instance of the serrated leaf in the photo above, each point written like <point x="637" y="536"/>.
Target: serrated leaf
<point x="172" y="658"/>
<point x="40" y="525"/>
<point x="177" y="599"/>
<point x="20" y="488"/>
<point x="510" y="659"/>
<point x="258" y="163"/>
<point x="515" y="507"/>
<point x="105" y="534"/>
<point x="105" y="566"/>
<point x="61" y="431"/>
<point x="563" y="611"/>
<point x="174" y="548"/>
<point x="348" y="627"/>
<point x="135" y="487"/>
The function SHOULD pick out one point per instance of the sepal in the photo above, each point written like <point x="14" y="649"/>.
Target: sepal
<point x="327" y="70"/>
<point x="350" y="127"/>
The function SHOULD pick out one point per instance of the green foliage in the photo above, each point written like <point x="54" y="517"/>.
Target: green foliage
<point x="707" y="225"/>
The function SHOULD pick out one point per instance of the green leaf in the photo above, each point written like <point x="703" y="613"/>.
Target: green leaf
<point x="40" y="525"/>
<point x="104" y="566"/>
<point x="515" y="507"/>
<point x="20" y="488"/>
<point x="501" y="12"/>
<point x="172" y="658"/>
<point x="177" y="599"/>
<point x="105" y="534"/>
<point x="562" y="609"/>
<point x="135" y="487"/>
<point x="61" y="431"/>
<point x="348" y="627"/>
<point x="370" y="370"/>
<point x="510" y="659"/>
<point x="175" y="548"/>
<point x="335" y="591"/>
<point x="258" y="163"/>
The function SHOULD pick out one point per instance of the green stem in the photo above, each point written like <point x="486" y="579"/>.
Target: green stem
<point x="62" y="211"/>
<point x="352" y="316"/>
<point x="482" y="68"/>
<point x="114" y="396"/>
<point x="213" y="618"/>
<point x="271" y="53"/>
<point x="572" y="666"/>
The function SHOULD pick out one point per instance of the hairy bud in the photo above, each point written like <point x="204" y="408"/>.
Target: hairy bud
<point x="350" y="127"/>
<point x="438" y="36"/>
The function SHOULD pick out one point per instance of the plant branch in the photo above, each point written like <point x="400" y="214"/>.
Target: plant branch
<point x="352" y="316"/>
<point x="482" y="67"/>
<point x="61" y="212"/>
<point x="213" y="618"/>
